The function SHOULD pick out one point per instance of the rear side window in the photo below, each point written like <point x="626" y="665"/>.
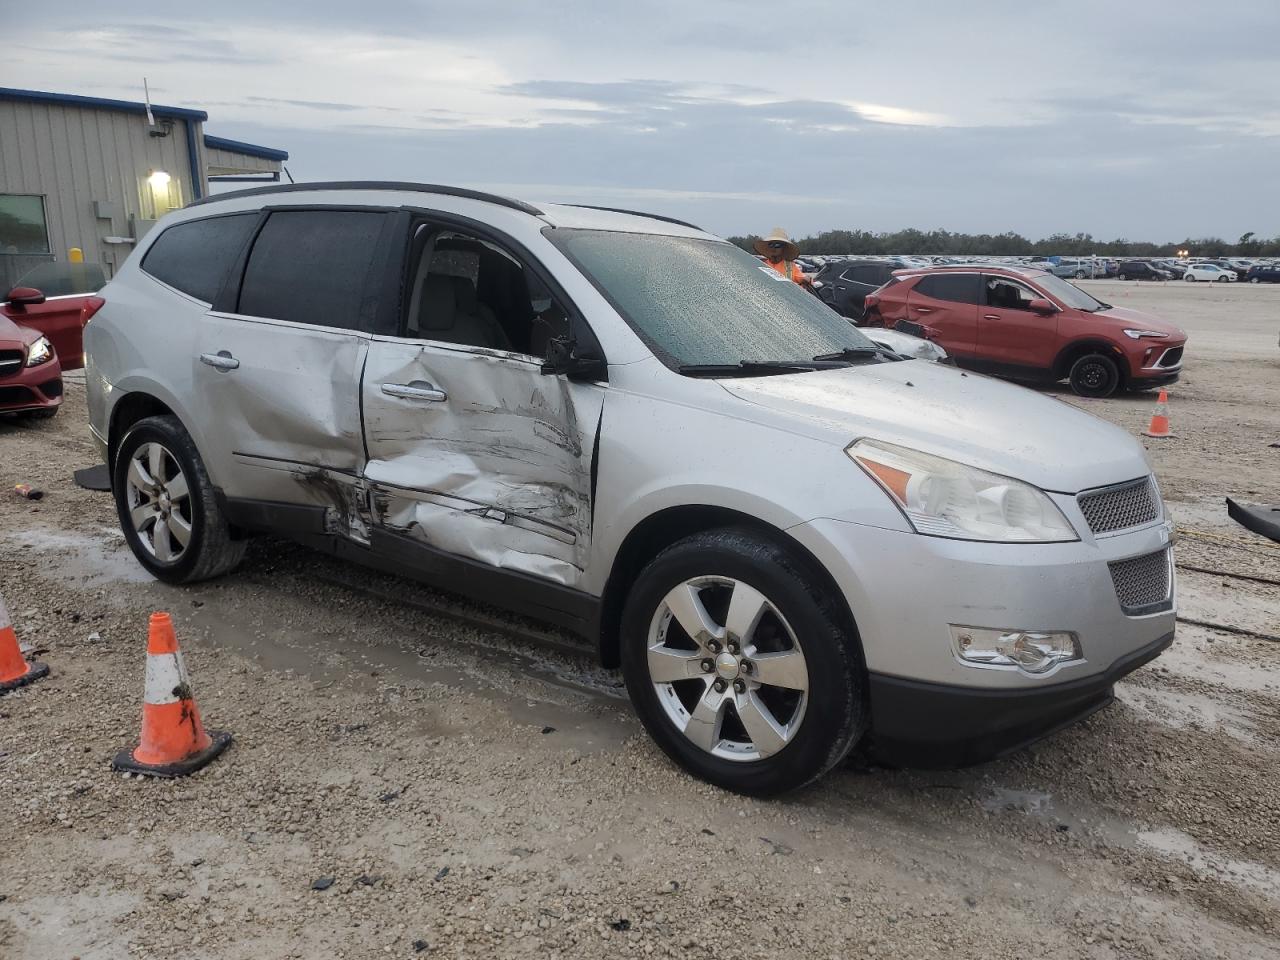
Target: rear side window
<point x="195" y="257"/>
<point x="311" y="266"/>
<point x="956" y="287"/>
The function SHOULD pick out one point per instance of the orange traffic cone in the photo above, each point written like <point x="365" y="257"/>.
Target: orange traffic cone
<point x="15" y="672"/>
<point x="174" y="742"/>
<point x="1160" y="419"/>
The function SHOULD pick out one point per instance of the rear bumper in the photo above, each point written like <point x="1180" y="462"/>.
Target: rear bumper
<point x="939" y="725"/>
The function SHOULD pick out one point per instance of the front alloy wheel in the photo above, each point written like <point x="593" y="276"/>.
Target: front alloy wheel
<point x="159" y="502"/>
<point x="741" y="663"/>
<point x="734" y="682"/>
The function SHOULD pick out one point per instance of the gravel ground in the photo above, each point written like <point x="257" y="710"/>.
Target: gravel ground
<point x="405" y="785"/>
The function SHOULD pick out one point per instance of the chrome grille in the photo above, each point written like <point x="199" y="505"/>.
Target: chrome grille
<point x="1142" y="583"/>
<point x="1120" y="507"/>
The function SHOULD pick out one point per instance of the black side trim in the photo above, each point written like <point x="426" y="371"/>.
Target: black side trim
<point x="401" y="186"/>
<point x="940" y="725"/>
<point x="509" y="589"/>
<point x="265" y="516"/>
<point x="407" y="557"/>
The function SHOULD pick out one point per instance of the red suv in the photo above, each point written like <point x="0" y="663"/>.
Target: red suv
<point x="1026" y="324"/>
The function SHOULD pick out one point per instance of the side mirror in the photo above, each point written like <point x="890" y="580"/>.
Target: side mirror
<point x="563" y="358"/>
<point x="23" y="297"/>
<point x="1042" y="306"/>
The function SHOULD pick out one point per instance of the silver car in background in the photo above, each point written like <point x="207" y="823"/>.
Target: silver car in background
<point x="791" y="539"/>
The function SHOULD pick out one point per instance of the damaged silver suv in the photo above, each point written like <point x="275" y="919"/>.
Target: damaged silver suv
<point x="790" y="539"/>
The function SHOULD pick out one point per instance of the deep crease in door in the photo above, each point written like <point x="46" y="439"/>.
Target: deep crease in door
<point x="499" y="473"/>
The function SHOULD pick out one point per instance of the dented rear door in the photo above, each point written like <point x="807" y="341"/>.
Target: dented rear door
<point x="476" y="453"/>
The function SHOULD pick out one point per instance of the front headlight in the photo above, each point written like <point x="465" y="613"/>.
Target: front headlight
<point x="40" y="352"/>
<point x="1149" y="334"/>
<point x="942" y="498"/>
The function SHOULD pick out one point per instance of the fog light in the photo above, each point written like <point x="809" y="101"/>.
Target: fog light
<point x="1032" y="651"/>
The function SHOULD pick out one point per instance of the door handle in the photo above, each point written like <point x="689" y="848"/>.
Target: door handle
<point x="924" y="309"/>
<point x="222" y="360"/>
<point x="991" y="316"/>
<point x="416" y="390"/>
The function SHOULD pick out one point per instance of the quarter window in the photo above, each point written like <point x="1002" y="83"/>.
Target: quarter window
<point x="955" y="287"/>
<point x="23" y="229"/>
<point x="312" y="266"/>
<point x="195" y="257"/>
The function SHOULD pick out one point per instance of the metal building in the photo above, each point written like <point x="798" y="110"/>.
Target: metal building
<point x="95" y="174"/>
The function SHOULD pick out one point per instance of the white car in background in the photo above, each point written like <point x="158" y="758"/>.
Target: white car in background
<point x="1208" y="271"/>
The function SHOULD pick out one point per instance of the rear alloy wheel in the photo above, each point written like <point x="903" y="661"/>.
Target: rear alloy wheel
<point x="738" y="665"/>
<point x="1095" y="375"/>
<point x="167" y="507"/>
<point x="1188" y="277"/>
<point x="1123" y="276"/>
<point x="1253" y="279"/>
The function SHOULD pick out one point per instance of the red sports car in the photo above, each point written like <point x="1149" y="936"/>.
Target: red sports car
<point x="30" y="374"/>
<point x="57" y="299"/>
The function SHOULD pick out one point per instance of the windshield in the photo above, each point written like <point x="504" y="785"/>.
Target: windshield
<point x="1069" y="294"/>
<point x="699" y="302"/>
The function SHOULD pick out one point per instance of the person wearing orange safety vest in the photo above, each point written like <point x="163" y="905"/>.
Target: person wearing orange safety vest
<point x="780" y="252"/>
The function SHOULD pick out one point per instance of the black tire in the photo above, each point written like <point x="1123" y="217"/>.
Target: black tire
<point x="1095" y="375"/>
<point x="835" y="713"/>
<point x="1221" y="280"/>
<point x="1122" y="277"/>
<point x="1080" y="274"/>
<point x="1189" y="277"/>
<point x="211" y="550"/>
<point x="1253" y="279"/>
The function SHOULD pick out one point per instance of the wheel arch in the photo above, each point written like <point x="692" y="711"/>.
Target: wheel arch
<point x="1072" y="352"/>
<point x="660" y="530"/>
<point x="128" y="410"/>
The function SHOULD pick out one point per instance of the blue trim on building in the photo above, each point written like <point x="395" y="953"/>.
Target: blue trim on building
<point x="248" y="149"/>
<point x="101" y="103"/>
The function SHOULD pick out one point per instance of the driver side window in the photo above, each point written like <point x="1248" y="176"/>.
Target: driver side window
<point x="1008" y="295"/>
<point x="466" y="290"/>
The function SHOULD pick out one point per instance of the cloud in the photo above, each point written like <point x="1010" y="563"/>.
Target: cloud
<point x="733" y="113"/>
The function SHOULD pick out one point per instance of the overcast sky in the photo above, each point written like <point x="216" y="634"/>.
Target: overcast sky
<point x="1144" y="121"/>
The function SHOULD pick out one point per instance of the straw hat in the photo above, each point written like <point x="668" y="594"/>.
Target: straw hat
<point x="790" y="252"/>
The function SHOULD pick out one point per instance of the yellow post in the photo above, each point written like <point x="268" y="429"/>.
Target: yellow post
<point x="75" y="255"/>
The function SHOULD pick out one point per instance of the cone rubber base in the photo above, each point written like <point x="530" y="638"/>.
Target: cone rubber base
<point x="1159" y="436"/>
<point x="125" y="763"/>
<point x="37" y="671"/>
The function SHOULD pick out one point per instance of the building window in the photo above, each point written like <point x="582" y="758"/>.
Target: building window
<point x="160" y="194"/>
<point x="23" y="228"/>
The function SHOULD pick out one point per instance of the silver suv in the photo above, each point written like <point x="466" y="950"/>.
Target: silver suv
<point x="790" y="539"/>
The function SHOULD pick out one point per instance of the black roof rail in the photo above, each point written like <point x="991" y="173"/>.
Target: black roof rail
<point x="635" y="213"/>
<point x="376" y="185"/>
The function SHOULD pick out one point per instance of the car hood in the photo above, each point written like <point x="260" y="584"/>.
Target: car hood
<point x="14" y="334"/>
<point x="963" y="416"/>
<point x="1136" y="318"/>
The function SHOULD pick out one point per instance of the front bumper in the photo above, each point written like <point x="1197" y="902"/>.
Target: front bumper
<point x="940" y="726"/>
<point x="33" y="388"/>
<point x="906" y="590"/>
<point x="1153" y="377"/>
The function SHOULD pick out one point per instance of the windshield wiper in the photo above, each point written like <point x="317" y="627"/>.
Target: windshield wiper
<point x="856" y="353"/>
<point x="746" y="368"/>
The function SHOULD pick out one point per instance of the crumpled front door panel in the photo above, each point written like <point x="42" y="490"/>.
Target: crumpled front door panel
<point x="499" y="471"/>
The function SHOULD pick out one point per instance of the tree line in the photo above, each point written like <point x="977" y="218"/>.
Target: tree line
<point x="945" y="242"/>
